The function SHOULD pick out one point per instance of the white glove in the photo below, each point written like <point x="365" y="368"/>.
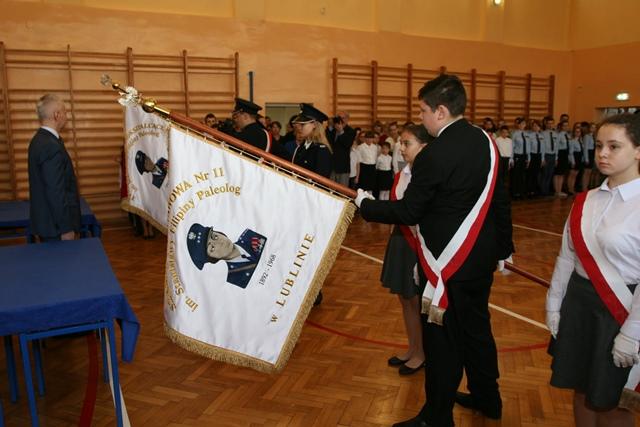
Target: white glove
<point x="625" y="351"/>
<point x="361" y="196"/>
<point x="501" y="264"/>
<point x="553" y="321"/>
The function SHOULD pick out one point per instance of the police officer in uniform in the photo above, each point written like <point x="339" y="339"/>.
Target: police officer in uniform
<point x="158" y="170"/>
<point x="245" y="118"/>
<point x="315" y="152"/>
<point x="208" y="245"/>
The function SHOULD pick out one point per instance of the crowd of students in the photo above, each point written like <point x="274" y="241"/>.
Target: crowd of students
<point x="539" y="158"/>
<point x="545" y="159"/>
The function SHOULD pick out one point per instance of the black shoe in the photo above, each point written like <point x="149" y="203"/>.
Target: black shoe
<point x="396" y="361"/>
<point x="406" y="370"/>
<point x="318" y="300"/>
<point x="413" y="422"/>
<point x="493" y="411"/>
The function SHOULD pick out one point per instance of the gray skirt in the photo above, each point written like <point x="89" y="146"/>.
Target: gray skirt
<point x="397" y="270"/>
<point x="582" y="358"/>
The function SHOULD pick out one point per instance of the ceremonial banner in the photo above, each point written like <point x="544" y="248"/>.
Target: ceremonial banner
<point x="248" y="247"/>
<point x="146" y="166"/>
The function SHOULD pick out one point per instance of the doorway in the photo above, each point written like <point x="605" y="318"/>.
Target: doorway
<point x="281" y="112"/>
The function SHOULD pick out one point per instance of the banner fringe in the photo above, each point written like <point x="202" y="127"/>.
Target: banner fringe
<point x="126" y="206"/>
<point x="217" y="353"/>
<point x="630" y="400"/>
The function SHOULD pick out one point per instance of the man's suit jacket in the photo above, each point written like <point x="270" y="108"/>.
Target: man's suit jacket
<point x="342" y="149"/>
<point x="447" y="178"/>
<point x="53" y="190"/>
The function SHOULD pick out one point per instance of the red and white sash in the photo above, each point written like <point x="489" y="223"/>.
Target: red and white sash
<point x="268" y="148"/>
<point x="438" y="271"/>
<point x="604" y="276"/>
<point x="400" y="184"/>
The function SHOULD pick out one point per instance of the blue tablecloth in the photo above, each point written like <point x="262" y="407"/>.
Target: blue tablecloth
<point x="15" y="214"/>
<point x="65" y="283"/>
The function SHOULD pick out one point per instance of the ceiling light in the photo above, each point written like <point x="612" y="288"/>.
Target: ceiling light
<point x="622" y="96"/>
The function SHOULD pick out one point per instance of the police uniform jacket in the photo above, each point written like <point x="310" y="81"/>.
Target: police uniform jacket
<point x="447" y="178"/>
<point x="53" y="190"/>
<point x="254" y="134"/>
<point x="160" y="172"/>
<point x="314" y="157"/>
<point x="240" y="273"/>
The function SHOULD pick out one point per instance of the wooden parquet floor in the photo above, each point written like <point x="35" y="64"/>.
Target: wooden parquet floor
<point x="337" y="374"/>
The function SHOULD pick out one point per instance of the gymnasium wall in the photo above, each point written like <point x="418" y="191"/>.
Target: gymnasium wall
<point x="289" y="45"/>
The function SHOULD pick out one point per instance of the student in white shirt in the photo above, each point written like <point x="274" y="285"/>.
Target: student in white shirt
<point x="368" y="156"/>
<point x="505" y="147"/>
<point x="354" y="158"/>
<point x="593" y="304"/>
<point x="384" y="173"/>
<point x="400" y="259"/>
<point x="577" y="157"/>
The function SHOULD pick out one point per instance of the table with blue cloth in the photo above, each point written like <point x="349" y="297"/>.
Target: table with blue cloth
<point x="15" y="214"/>
<point x="63" y="287"/>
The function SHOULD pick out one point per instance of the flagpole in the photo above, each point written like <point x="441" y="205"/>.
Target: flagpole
<point x="526" y="274"/>
<point x="284" y="164"/>
<point x="130" y="96"/>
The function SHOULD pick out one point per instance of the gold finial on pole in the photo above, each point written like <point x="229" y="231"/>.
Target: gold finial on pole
<point x="129" y="96"/>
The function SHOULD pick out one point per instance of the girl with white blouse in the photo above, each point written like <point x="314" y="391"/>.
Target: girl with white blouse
<point x="593" y="305"/>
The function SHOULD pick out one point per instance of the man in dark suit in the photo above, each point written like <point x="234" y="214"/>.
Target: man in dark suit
<point x="449" y="178"/>
<point x="208" y="245"/>
<point x="341" y="139"/>
<point x="53" y="190"/>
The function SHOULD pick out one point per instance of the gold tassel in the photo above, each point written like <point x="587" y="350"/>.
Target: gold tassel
<point x="436" y="315"/>
<point x="630" y="400"/>
<point x="126" y="206"/>
<point x="426" y="304"/>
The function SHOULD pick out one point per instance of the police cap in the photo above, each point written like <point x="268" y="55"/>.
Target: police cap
<point x="140" y="159"/>
<point x="309" y="113"/>
<point x="197" y="239"/>
<point x="242" y="105"/>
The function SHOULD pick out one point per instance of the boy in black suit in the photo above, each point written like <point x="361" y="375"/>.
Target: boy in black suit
<point x="451" y="177"/>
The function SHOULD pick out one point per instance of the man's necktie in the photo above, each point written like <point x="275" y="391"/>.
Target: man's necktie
<point x="537" y="143"/>
<point x="553" y="146"/>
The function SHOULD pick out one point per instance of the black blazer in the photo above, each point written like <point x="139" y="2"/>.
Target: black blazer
<point x="254" y="134"/>
<point x="342" y="149"/>
<point x="448" y="176"/>
<point x="316" y="158"/>
<point x="53" y="190"/>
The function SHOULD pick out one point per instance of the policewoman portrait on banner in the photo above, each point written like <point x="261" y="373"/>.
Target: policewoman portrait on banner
<point x="146" y="152"/>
